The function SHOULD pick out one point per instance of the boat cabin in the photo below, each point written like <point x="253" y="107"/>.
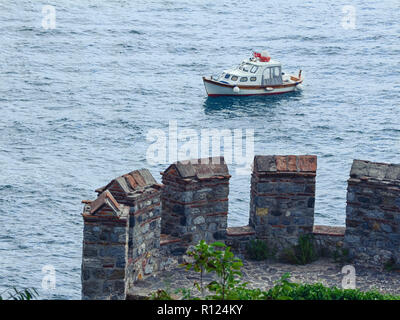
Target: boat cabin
<point x="252" y="72"/>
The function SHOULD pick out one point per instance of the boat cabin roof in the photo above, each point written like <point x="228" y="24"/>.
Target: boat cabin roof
<point x="252" y="66"/>
<point x="270" y="63"/>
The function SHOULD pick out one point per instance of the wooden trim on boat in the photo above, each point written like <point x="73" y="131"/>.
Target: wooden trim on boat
<point x="276" y="86"/>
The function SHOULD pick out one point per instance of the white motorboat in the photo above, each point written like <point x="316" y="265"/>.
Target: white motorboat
<point x="258" y="75"/>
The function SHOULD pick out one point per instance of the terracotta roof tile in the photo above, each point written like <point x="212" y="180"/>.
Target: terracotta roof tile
<point x="105" y="199"/>
<point x="200" y="168"/>
<point x="138" y="178"/>
<point x="132" y="181"/>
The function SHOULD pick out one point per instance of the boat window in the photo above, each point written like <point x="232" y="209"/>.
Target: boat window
<point x="247" y="67"/>
<point x="253" y="69"/>
<point x="253" y="79"/>
<point x="243" y="79"/>
<point x="234" y="78"/>
<point x="227" y="76"/>
<point x="277" y="71"/>
<point x="267" y="73"/>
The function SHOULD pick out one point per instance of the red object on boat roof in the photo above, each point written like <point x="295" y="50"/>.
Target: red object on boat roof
<point x="262" y="58"/>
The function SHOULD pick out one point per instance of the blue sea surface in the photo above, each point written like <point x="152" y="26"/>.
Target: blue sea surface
<point x="78" y="101"/>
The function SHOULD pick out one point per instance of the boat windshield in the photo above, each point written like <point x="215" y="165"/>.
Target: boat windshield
<point x="222" y="76"/>
<point x="246" y="67"/>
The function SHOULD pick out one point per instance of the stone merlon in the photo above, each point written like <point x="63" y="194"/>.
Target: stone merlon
<point x="205" y="168"/>
<point x="289" y="163"/>
<point x="132" y="181"/>
<point x="375" y="170"/>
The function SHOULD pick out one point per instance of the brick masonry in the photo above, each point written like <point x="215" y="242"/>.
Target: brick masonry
<point x="373" y="213"/>
<point x="329" y="238"/>
<point x="238" y="238"/>
<point x="137" y="228"/>
<point x="133" y="241"/>
<point x="195" y="200"/>
<point x="104" y="248"/>
<point x="282" y="198"/>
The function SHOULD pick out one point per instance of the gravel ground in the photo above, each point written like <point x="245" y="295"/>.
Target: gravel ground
<point x="262" y="274"/>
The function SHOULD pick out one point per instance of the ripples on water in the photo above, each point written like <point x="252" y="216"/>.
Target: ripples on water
<point x="77" y="102"/>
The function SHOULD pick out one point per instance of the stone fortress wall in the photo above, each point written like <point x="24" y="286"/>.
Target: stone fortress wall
<point x="137" y="227"/>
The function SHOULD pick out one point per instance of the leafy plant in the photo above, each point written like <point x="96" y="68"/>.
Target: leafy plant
<point x="391" y="265"/>
<point x="286" y="290"/>
<point x="24" y="294"/>
<point x="160" y="294"/>
<point x="341" y="255"/>
<point x="259" y="250"/>
<point x="241" y="292"/>
<point x="187" y="294"/>
<point x="283" y="289"/>
<point x="227" y="267"/>
<point x="214" y="258"/>
<point x="203" y="256"/>
<point x="163" y="294"/>
<point x="302" y="253"/>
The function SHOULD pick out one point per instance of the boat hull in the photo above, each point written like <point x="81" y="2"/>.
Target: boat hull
<point x="215" y="89"/>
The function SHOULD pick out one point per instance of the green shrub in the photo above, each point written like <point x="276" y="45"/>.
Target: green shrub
<point x="259" y="250"/>
<point x="160" y="294"/>
<point x="215" y="258"/>
<point x="341" y="255"/>
<point x="203" y="256"/>
<point x="227" y="267"/>
<point x="241" y="292"/>
<point x="324" y="252"/>
<point x="24" y="294"/>
<point x="391" y="265"/>
<point x="302" y="253"/>
<point x="286" y="290"/>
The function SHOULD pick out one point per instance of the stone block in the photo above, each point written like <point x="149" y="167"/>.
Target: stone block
<point x="359" y="169"/>
<point x="264" y="164"/>
<point x="377" y="170"/>
<point x="393" y="172"/>
<point x="289" y="187"/>
<point x="92" y="288"/>
<point x="266" y="187"/>
<point x="89" y="251"/>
